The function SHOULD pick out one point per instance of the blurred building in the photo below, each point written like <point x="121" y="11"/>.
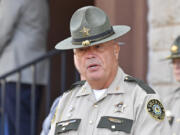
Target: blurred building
<point x="164" y="27"/>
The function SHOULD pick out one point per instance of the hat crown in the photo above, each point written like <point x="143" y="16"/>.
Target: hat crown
<point x="90" y="26"/>
<point x="88" y="21"/>
<point x="175" y="47"/>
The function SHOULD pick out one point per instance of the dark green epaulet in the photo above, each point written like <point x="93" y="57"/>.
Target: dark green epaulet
<point x="78" y="83"/>
<point x="177" y="90"/>
<point x="142" y="84"/>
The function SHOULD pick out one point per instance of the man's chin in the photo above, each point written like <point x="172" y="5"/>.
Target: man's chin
<point x="178" y="79"/>
<point x="94" y="77"/>
<point x="177" y="75"/>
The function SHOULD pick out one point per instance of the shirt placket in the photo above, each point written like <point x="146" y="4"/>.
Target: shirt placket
<point x="92" y="116"/>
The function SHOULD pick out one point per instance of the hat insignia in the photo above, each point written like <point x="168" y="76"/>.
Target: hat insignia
<point x="85" y="31"/>
<point x="174" y="49"/>
<point x="86" y="43"/>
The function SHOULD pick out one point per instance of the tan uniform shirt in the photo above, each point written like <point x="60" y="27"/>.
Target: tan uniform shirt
<point x="122" y="110"/>
<point x="175" y="112"/>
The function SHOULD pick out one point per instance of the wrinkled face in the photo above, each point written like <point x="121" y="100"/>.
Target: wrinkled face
<point x="176" y="68"/>
<point x="97" y="62"/>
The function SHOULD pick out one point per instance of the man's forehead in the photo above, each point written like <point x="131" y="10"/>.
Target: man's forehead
<point x="108" y="42"/>
<point x="176" y="60"/>
<point x="112" y="42"/>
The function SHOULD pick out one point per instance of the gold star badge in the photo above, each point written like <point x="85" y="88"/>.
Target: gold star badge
<point x="174" y="49"/>
<point x="85" y="31"/>
<point x="120" y="107"/>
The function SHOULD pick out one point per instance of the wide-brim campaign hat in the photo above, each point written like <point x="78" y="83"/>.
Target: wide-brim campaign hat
<point x="175" y="49"/>
<point x="90" y="26"/>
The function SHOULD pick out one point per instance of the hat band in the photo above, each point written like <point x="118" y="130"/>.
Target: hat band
<point x="94" y="38"/>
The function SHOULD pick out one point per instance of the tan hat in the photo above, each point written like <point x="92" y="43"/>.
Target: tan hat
<point x="90" y="26"/>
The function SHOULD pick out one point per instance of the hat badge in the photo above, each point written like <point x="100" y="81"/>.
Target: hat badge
<point x="174" y="49"/>
<point x="85" y="31"/>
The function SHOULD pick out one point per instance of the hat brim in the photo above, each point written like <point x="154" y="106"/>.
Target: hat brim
<point x="172" y="57"/>
<point x="119" y="30"/>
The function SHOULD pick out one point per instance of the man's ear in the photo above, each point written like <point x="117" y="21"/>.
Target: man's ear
<point x="116" y="50"/>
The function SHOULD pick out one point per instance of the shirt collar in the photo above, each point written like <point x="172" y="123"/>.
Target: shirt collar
<point x="84" y="90"/>
<point x="116" y="87"/>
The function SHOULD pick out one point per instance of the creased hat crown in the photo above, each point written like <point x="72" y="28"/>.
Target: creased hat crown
<point x="88" y="22"/>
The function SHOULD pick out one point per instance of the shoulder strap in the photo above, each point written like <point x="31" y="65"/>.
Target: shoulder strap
<point x="142" y="84"/>
<point x="78" y="83"/>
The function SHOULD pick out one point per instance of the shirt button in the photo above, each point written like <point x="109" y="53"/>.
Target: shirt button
<point x="71" y="109"/>
<point x="95" y="106"/>
<point x="69" y="115"/>
<point x="63" y="128"/>
<point x="90" y="122"/>
<point x="113" y="126"/>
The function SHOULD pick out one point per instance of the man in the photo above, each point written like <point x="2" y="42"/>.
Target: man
<point x="174" y="112"/>
<point x="110" y="102"/>
<point x="23" y="33"/>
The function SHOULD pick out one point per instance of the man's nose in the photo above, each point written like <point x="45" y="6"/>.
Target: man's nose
<point x="90" y="53"/>
<point x="90" y="56"/>
<point x="178" y="64"/>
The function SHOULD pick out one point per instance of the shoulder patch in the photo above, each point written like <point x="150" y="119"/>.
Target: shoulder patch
<point x="74" y="85"/>
<point x="142" y="84"/>
<point x="156" y="109"/>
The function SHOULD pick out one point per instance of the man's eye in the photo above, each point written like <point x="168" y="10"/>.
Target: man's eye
<point x="81" y="49"/>
<point x="97" y="46"/>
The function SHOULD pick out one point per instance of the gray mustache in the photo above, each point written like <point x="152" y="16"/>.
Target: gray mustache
<point x="92" y="61"/>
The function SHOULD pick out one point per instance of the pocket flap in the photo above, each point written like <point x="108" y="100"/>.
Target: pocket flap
<point x="67" y="125"/>
<point x="115" y="123"/>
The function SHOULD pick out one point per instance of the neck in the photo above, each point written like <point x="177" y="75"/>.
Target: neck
<point x="102" y="83"/>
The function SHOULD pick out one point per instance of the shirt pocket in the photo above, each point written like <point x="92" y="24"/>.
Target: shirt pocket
<point x="67" y="127"/>
<point x="116" y="124"/>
